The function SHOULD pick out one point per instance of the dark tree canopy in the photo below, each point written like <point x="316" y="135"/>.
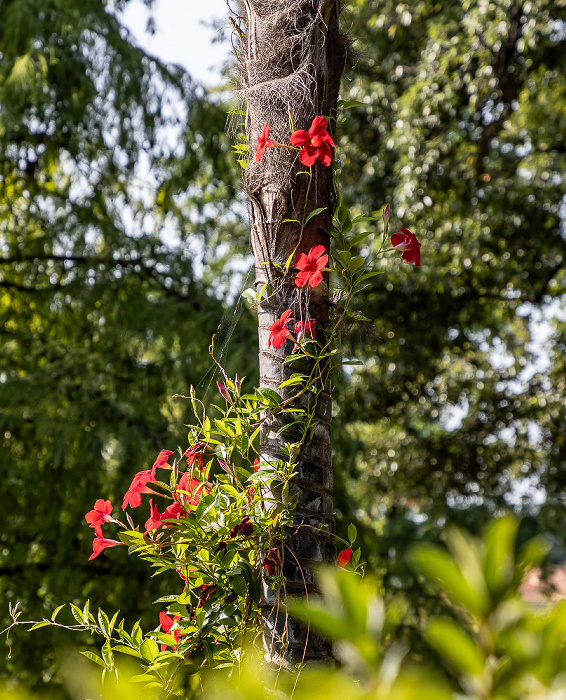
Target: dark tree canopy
<point x="461" y="129"/>
<point x="115" y="185"/>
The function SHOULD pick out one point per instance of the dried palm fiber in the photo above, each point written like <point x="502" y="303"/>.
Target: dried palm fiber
<point x="292" y="55"/>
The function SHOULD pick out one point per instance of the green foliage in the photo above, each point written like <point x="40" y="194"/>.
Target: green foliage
<point x="453" y="415"/>
<point x="115" y="184"/>
<point x="488" y="645"/>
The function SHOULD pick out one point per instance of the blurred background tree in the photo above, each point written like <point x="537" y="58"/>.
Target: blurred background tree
<point x="459" y="409"/>
<point x="116" y="193"/>
<point x="121" y="239"/>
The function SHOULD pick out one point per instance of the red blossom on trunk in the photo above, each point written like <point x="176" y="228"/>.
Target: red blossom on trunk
<point x="302" y="328"/>
<point x="311" y="267"/>
<point x="271" y="561"/>
<point x="99" y="515"/>
<point x="263" y="142"/>
<point x="278" y="331"/>
<point x="194" y="454"/>
<point x="99" y="543"/>
<point x="406" y="241"/>
<point x="138" y="486"/>
<point x="162" y="459"/>
<point x="245" y="527"/>
<point x="315" y="143"/>
<point x="167" y="624"/>
<point x="189" y="490"/>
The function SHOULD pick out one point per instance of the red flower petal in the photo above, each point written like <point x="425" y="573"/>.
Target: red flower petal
<point x="308" y="155"/>
<point x="325" y="154"/>
<point x="300" y="138"/>
<point x="318" y="126"/>
<point x="344" y="557"/>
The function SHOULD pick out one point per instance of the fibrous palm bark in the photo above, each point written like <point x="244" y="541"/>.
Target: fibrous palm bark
<point x="292" y="55"/>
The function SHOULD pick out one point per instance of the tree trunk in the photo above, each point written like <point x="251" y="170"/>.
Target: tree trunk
<point x="292" y="58"/>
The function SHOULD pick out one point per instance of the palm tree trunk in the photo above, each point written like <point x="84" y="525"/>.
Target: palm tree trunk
<point x="292" y="58"/>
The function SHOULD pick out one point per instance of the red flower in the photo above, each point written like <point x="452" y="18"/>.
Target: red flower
<point x="245" y="527"/>
<point x="188" y="490"/>
<point x="278" y="330"/>
<point x="99" y="543"/>
<point x="271" y="560"/>
<point x="344" y="557"/>
<point x="167" y="623"/>
<point x="315" y="143"/>
<point x="407" y="243"/>
<point x="155" y="518"/>
<point x="257" y="465"/>
<point x="263" y="142"/>
<point x="138" y="486"/>
<point x="310" y="267"/>
<point x="99" y="515"/>
<point x="162" y="458"/>
<point x="174" y="511"/>
<point x="194" y="454"/>
<point x="304" y="327"/>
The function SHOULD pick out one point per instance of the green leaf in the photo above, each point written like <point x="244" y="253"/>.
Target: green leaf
<point x="321" y="620"/>
<point x="56" y="612"/>
<point x="103" y="622"/>
<point x="293" y="380"/>
<point x="93" y="657"/>
<point x="360" y="237"/>
<point x="108" y="654"/>
<point x="37" y="625"/>
<point x="314" y="212"/>
<point x="343" y="104"/>
<point x="123" y="649"/>
<point x="438" y="567"/>
<point x="359" y="219"/>
<point x="454" y="644"/>
<point x="268" y="396"/>
<point x="367" y="275"/>
<point x="166" y="599"/>
<point x="137" y="635"/>
<point x="239" y="585"/>
<point x="77" y="614"/>
<point x="499" y="554"/>
<point x="352" y="533"/>
<point x="356" y="262"/>
<point x="289" y="259"/>
<point x="249" y="295"/>
<point x="149" y="650"/>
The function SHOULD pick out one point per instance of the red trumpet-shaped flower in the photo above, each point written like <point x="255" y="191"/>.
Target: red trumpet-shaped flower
<point x="311" y="267"/>
<point x="138" y="486"/>
<point x="189" y="491"/>
<point x="406" y="241"/>
<point x="162" y="459"/>
<point x="315" y="143"/>
<point x="99" y="543"/>
<point x="263" y="142"/>
<point x="99" y="515"/>
<point x="279" y="331"/>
